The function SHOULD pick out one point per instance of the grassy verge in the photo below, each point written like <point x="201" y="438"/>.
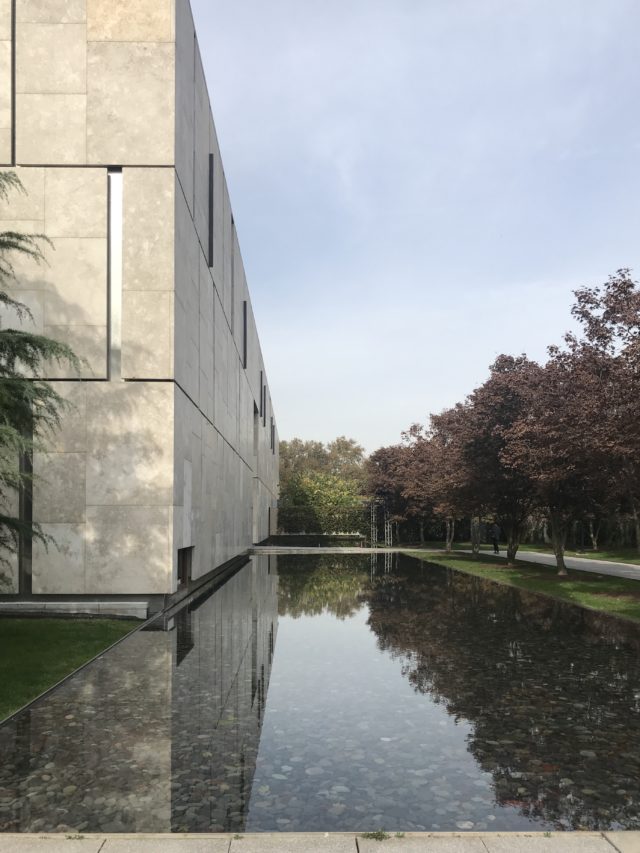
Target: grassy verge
<point x="37" y="653"/>
<point x="618" y="596"/>
<point x="618" y="555"/>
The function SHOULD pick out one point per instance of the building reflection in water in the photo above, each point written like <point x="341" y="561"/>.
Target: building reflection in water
<point x="222" y="652"/>
<point x="158" y="735"/>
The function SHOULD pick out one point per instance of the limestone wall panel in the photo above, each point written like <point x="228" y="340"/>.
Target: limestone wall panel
<point x="205" y="349"/>
<point x="130" y="444"/>
<point x="28" y="205"/>
<point x="71" y="437"/>
<point x="75" y="203"/>
<point x="5" y="20"/>
<point x="187" y="303"/>
<point x="76" y="279"/>
<point x="137" y="129"/>
<point x="51" y="58"/>
<point x="59" y="487"/>
<point x="51" y="11"/>
<point x="89" y="343"/>
<point x="51" y="129"/>
<point x="202" y="120"/>
<point x="59" y="569"/>
<point x="227" y="243"/>
<point x="123" y="20"/>
<point x="149" y="222"/>
<point x="5" y="98"/>
<point x="218" y="211"/>
<point x="185" y="99"/>
<point x="147" y="334"/>
<point x="128" y="549"/>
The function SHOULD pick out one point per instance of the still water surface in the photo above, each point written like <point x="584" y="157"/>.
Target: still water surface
<point x="330" y="693"/>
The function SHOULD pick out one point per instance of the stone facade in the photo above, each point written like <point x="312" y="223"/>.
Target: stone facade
<point x="169" y="442"/>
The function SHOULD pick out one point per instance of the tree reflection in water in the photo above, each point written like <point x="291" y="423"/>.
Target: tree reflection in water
<point x="552" y="690"/>
<point x="327" y="584"/>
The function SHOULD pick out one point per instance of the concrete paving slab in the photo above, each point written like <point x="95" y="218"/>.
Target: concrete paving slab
<point x="163" y="844"/>
<point x="554" y="842"/>
<point x="49" y="844"/>
<point x="299" y="842"/>
<point x="423" y="844"/>
<point x="624" y="842"/>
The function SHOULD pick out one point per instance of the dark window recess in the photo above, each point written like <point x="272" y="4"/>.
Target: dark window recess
<point x="256" y="429"/>
<point x="264" y="405"/>
<point x="244" y="334"/>
<point x="25" y="535"/>
<point x="273" y="436"/>
<point x="261" y="392"/>
<point x="233" y="274"/>
<point x="185" y="560"/>
<point x="210" y="249"/>
<point x="184" y="633"/>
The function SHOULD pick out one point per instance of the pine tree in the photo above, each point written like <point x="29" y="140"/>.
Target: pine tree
<point x="29" y="407"/>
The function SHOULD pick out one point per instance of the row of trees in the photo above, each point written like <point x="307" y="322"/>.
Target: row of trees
<point x="321" y="486"/>
<point x="561" y="439"/>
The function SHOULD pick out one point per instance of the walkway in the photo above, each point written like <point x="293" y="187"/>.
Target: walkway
<point x="291" y="842"/>
<point x="579" y="564"/>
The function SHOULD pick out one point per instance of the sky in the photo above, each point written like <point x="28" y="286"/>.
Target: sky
<point x="419" y="186"/>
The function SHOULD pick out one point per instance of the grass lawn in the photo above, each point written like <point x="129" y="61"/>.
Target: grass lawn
<point x="37" y="653"/>
<point x="619" y="596"/>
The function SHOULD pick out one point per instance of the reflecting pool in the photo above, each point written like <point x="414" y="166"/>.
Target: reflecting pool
<point x="340" y="692"/>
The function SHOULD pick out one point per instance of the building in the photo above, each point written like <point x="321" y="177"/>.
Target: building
<point x="166" y="465"/>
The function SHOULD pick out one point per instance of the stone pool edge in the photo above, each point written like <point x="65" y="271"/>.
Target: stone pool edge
<point x="618" y="841"/>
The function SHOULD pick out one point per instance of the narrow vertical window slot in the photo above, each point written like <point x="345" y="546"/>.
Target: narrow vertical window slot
<point x="13" y="82"/>
<point x="264" y="405"/>
<point x="233" y="273"/>
<point x="114" y="274"/>
<point x="210" y="249"/>
<point x="244" y="334"/>
<point x="25" y="536"/>
<point x="261" y="392"/>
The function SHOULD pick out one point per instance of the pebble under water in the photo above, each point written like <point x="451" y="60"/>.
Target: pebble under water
<point x="340" y="693"/>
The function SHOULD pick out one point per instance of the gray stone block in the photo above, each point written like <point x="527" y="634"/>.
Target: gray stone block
<point x="423" y="844"/>
<point x="555" y="842"/>
<point x="165" y="844"/>
<point x="49" y="844"/>
<point x="296" y="842"/>
<point x="624" y="842"/>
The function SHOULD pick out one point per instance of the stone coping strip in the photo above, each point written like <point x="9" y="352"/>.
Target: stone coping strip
<point x="324" y="842"/>
<point x="322" y="549"/>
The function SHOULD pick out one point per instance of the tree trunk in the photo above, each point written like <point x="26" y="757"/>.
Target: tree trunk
<point x="636" y="522"/>
<point x="513" y="543"/>
<point x="421" y="530"/>
<point x="513" y="531"/>
<point x="558" y="538"/>
<point x="594" y="532"/>
<point x="475" y="536"/>
<point x="450" y="527"/>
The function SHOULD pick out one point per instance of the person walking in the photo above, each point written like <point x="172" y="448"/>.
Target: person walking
<point x="494" y="533"/>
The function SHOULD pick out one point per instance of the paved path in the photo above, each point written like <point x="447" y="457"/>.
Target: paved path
<point x="579" y="564"/>
<point x="292" y="842"/>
